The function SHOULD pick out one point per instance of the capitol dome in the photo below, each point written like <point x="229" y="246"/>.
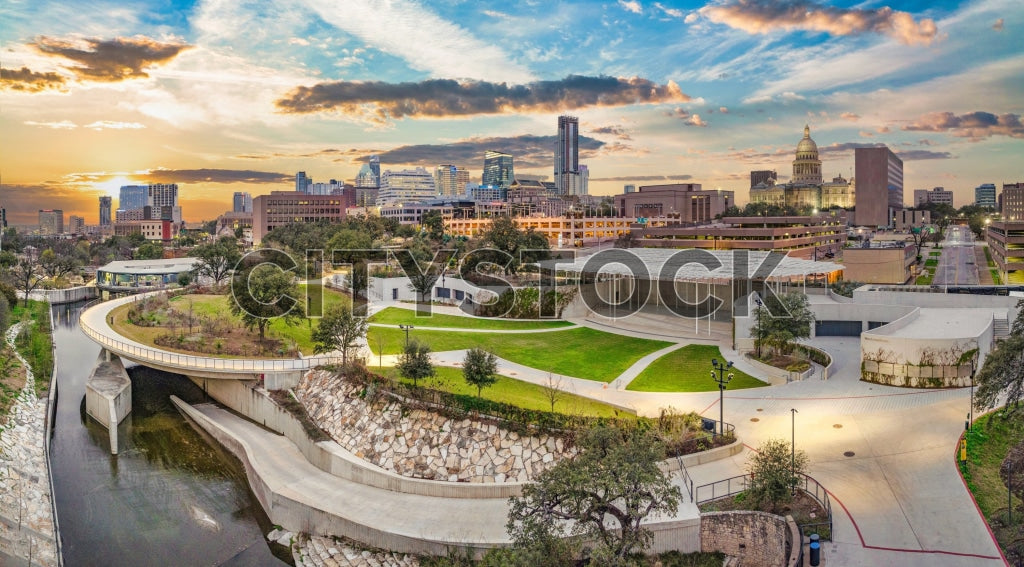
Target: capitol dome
<point x="806" y="166"/>
<point x="807" y="145"/>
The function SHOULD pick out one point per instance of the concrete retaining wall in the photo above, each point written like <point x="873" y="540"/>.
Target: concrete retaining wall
<point x="678" y="535"/>
<point x="756" y="538"/>
<point x="778" y="375"/>
<point x="59" y="296"/>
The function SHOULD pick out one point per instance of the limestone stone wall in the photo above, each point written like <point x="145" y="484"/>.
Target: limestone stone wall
<point x="423" y="444"/>
<point x="756" y="538"/>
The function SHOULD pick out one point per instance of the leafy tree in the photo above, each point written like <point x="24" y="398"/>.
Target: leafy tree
<point x="1003" y="370"/>
<point x="782" y="320"/>
<point x="217" y="259"/>
<point x="9" y="293"/>
<point x="8" y="259"/>
<point x="136" y="239"/>
<point x="264" y="293"/>
<point x="773" y="472"/>
<point x="479" y="369"/>
<point x="602" y="494"/>
<point x="345" y="240"/>
<point x="340" y="330"/>
<point x="414" y="363"/>
<point x="149" y="251"/>
<point x="185" y="279"/>
<point x="56" y="266"/>
<point x="433" y="222"/>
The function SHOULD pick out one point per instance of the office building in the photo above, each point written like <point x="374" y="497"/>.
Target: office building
<point x="629" y="188"/>
<point x="163" y="197"/>
<point x="763" y="177"/>
<point x="302" y="182"/>
<point x="106" y="203"/>
<point x="498" y="169"/>
<point x="936" y="196"/>
<point x="281" y="208"/>
<point x="51" y="221"/>
<point x="805" y="189"/>
<point x="567" y="155"/>
<point x="985" y="195"/>
<point x="133" y="197"/>
<point x="905" y="219"/>
<point x="879" y="186"/>
<point x="684" y="202"/>
<point x="1013" y="202"/>
<point x="151" y="229"/>
<point x="451" y="180"/>
<point x="242" y="203"/>
<point x="76" y="224"/>
<point x="406" y="186"/>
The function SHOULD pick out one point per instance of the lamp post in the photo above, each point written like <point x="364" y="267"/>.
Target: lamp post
<point x="722" y="381"/>
<point x="757" y="300"/>
<point x="406" y="328"/>
<point x="792" y="454"/>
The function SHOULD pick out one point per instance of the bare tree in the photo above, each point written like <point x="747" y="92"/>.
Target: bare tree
<point x="553" y="390"/>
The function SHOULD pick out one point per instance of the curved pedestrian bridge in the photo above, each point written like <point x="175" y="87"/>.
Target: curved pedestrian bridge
<point x="94" y="322"/>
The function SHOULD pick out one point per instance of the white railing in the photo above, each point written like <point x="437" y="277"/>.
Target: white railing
<point x="143" y="354"/>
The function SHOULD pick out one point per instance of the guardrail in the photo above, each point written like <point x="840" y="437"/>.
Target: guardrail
<point x="190" y="362"/>
<point x="734" y="485"/>
<point x="685" y="474"/>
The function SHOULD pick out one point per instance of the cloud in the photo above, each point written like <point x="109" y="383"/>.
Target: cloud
<point x="161" y="175"/>
<point x="766" y="16"/>
<point x="976" y="125"/>
<point x="23" y="201"/>
<point x="998" y="26"/>
<point x="850" y="116"/>
<point x="691" y="17"/>
<point x="62" y="125"/>
<point x="528" y="151"/>
<point x="681" y="177"/>
<point x="25" y="79"/>
<point x="883" y="130"/>
<point x="631" y="6"/>
<point x="381" y="102"/>
<point x="913" y="155"/>
<point x="723" y="109"/>
<point x="866" y="134"/>
<point x="110" y="60"/>
<point x="695" y="120"/>
<point x="114" y="125"/>
<point x="671" y="12"/>
<point x="617" y="131"/>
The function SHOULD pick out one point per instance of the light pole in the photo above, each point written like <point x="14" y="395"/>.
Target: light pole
<point x="792" y="455"/>
<point x="757" y="300"/>
<point x="406" y="328"/>
<point x="722" y="381"/>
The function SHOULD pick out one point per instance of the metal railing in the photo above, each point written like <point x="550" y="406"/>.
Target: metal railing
<point x="685" y="475"/>
<point x="143" y="354"/>
<point x="734" y="485"/>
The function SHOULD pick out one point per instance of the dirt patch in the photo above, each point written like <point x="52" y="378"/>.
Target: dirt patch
<point x="785" y="362"/>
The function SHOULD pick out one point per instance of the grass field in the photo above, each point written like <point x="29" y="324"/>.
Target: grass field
<point x="580" y="352"/>
<point x="931" y="263"/>
<point x="925" y="278"/>
<point x="513" y="392"/>
<point x="935" y="253"/>
<point x="988" y="443"/>
<point x="399" y="316"/>
<point x="35" y="342"/>
<point x="688" y="370"/>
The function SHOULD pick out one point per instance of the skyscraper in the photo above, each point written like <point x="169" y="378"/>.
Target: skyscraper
<point x="567" y="154"/>
<point x="879" y="185"/>
<point x="163" y="197"/>
<point x="76" y="224"/>
<point x="106" y="203"/>
<point x="302" y="182"/>
<point x="406" y="186"/>
<point x="498" y="170"/>
<point x="985" y="195"/>
<point x="369" y="173"/>
<point x="1013" y="202"/>
<point x="51" y="221"/>
<point x="242" y="203"/>
<point x="450" y="180"/>
<point x="133" y="197"/>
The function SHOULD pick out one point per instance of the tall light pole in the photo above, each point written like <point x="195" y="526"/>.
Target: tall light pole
<point x="722" y="381"/>
<point x="406" y="328"/>
<point x="792" y="454"/>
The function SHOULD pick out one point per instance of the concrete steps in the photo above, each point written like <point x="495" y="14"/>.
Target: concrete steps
<point x="1000" y="328"/>
<point x="326" y="552"/>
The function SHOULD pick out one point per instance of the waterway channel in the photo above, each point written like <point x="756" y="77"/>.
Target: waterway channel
<point x="171" y="496"/>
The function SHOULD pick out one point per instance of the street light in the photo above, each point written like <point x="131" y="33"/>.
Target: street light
<point x="722" y="381"/>
<point x="406" y="328"/>
<point x="792" y="457"/>
<point x="757" y="300"/>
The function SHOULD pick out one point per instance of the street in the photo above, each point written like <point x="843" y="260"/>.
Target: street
<point x="957" y="263"/>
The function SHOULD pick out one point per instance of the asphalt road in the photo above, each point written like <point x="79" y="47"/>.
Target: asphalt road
<point x="956" y="265"/>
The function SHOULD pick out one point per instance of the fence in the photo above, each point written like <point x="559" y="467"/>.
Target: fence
<point x="734" y="485"/>
<point x="141" y="353"/>
<point x="685" y="474"/>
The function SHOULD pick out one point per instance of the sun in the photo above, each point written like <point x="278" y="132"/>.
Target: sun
<point x="113" y="185"/>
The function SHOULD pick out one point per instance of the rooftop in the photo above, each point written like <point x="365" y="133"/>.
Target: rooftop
<point x="933" y="323"/>
<point x="168" y="266"/>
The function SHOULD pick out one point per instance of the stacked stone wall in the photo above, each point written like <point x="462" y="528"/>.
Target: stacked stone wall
<point x="755" y="538"/>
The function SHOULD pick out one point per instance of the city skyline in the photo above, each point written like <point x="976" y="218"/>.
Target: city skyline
<point x="219" y="98"/>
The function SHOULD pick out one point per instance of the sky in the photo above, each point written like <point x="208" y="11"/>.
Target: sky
<point x="237" y="95"/>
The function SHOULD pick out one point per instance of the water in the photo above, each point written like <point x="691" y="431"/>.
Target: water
<point x="172" y="496"/>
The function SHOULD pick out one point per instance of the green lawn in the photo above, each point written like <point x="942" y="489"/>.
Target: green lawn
<point x="688" y="370"/>
<point x="399" y="316"/>
<point x="935" y="253"/>
<point x="581" y="352"/>
<point x="514" y="392"/>
<point x="931" y="263"/>
<point x="925" y="278"/>
<point x="988" y="443"/>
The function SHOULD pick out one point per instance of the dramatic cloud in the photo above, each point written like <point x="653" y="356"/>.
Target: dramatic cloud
<point x="110" y="60"/>
<point x="24" y="201"/>
<point x="766" y="16"/>
<point x="25" y="79"/>
<point x="975" y="125"/>
<point x="529" y="151"/>
<point x="683" y="177"/>
<point x="380" y="102"/>
<point x="212" y="176"/>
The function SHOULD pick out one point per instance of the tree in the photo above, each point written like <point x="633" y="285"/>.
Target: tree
<point x="479" y="369"/>
<point x="774" y="471"/>
<point x="601" y="494"/>
<point x="56" y="266"/>
<point x="1003" y="370"/>
<point x="781" y="320"/>
<point x="149" y="251"/>
<point x="217" y="259"/>
<point x="553" y="390"/>
<point x="264" y="293"/>
<point x="434" y="224"/>
<point x="414" y="363"/>
<point x="340" y="330"/>
<point x="136" y="239"/>
<point x="25" y="276"/>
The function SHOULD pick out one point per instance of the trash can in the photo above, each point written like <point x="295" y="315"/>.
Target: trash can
<point x="708" y="424"/>
<point x="815" y="550"/>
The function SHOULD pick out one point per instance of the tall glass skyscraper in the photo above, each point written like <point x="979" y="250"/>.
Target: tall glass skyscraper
<point x="369" y="173"/>
<point x="498" y="169"/>
<point x="133" y="197"/>
<point x="567" y="155"/>
<point x="105" y="208"/>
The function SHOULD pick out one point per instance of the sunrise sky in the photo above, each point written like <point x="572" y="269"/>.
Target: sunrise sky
<point x="232" y="95"/>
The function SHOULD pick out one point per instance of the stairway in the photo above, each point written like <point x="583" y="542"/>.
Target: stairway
<point x="1000" y="328"/>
